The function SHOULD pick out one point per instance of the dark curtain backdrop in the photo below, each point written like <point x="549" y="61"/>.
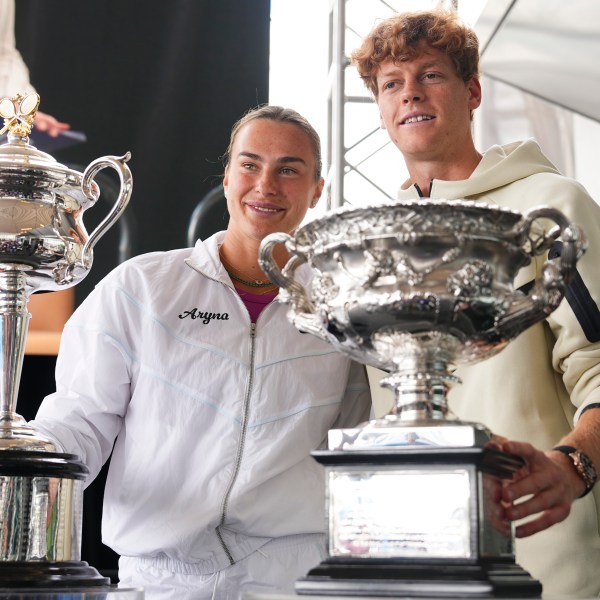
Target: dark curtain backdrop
<point x="164" y="80"/>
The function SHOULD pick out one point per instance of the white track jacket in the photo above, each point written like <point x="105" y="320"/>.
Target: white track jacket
<point x="212" y="418"/>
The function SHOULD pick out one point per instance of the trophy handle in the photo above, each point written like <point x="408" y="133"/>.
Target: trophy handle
<point x="302" y="313"/>
<point x="118" y="164"/>
<point x="547" y="291"/>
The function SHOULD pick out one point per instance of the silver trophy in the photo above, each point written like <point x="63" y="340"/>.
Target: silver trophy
<point x="417" y="288"/>
<point x="44" y="246"/>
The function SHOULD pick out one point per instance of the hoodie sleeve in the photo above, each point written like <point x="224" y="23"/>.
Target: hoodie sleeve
<point x="576" y="323"/>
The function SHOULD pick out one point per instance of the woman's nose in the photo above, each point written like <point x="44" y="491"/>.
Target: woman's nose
<point x="266" y="184"/>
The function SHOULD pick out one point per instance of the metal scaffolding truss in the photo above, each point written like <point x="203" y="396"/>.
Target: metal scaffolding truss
<point x="363" y="166"/>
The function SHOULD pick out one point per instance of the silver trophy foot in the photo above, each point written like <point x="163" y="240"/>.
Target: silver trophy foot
<point x="489" y="578"/>
<point x="42" y="500"/>
<point x="56" y="575"/>
<point x="391" y="534"/>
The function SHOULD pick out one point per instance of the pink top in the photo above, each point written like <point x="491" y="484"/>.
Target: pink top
<point x="255" y="302"/>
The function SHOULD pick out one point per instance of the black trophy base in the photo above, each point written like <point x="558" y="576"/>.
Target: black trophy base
<point x="413" y="579"/>
<point x="50" y="574"/>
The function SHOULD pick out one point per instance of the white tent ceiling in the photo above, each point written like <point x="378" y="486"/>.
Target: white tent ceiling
<point x="549" y="48"/>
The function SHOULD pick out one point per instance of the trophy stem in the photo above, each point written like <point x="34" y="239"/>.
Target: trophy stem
<point x="14" y="322"/>
<point x="420" y="394"/>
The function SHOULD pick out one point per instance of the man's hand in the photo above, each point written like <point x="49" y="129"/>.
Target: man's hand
<point x="545" y="487"/>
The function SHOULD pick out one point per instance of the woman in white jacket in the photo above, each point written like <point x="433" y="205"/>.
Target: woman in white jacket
<point x="213" y="400"/>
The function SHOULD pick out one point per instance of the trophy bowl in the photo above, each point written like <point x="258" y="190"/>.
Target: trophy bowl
<point x="415" y="289"/>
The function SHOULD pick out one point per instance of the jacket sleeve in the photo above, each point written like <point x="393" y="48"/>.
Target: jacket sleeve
<point x="576" y="323"/>
<point x="93" y="381"/>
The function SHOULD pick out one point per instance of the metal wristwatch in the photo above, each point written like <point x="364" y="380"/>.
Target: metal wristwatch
<point x="583" y="465"/>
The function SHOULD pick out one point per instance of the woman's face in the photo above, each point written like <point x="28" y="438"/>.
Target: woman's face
<point x="270" y="179"/>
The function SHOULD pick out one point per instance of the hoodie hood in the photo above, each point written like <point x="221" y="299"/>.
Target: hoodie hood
<point x="500" y="166"/>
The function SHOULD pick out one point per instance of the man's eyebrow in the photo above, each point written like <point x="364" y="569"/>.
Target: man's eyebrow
<point x="391" y="69"/>
<point x="431" y="64"/>
<point x="281" y="160"/>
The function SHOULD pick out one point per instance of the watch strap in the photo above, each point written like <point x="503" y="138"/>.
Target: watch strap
<point x="583" y="465"/>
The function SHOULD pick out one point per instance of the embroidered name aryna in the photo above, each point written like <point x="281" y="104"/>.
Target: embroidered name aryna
<point x="205" y="316"/>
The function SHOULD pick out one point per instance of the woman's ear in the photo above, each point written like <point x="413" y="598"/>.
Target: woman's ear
<point x="225" y="183"/>
<point x="318" y="192"/>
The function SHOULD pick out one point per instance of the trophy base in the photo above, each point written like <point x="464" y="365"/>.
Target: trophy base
<point x="418" y="522"/>
<point x="494" y="579"/>
<point x="50" y="574"/>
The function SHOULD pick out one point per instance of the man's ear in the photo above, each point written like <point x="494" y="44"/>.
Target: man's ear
<point x="474" y="88"/>
<point x="381" y="122"/>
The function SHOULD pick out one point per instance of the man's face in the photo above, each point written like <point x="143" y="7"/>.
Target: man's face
<point x="270" y="180"/>
<point x="425" y="106"/>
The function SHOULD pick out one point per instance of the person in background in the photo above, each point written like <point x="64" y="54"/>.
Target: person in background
<point x="49" y="311"/>
<point x="187" y="365"/>
<point x="542" y="392"/>
<point x="14" y="75"/>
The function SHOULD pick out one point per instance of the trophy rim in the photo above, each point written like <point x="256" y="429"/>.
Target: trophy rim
<point x="373" y="221"/>
<point x="422" y="205"/>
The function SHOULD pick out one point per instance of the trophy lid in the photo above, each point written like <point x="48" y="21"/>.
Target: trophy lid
<point x="18" y="157"/>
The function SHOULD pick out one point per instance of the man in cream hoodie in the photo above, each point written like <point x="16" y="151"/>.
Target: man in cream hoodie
<point x="543" y="390"/>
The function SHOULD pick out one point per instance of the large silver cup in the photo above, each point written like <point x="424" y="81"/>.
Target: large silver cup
<point x="417" y="288"/>
<point x="44" y="246"/>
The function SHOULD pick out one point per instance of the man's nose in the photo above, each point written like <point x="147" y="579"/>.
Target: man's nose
<point x="412" y="92"/>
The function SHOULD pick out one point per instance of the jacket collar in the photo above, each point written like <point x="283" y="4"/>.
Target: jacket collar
<point x="205" y="259"/>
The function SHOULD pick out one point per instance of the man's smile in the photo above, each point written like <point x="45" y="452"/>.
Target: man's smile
<point x="416" y="119"/>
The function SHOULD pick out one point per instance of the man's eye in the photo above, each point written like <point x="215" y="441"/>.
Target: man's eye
<point x="248" y="166"/>
<point x="389" y="85"/>
<point x="287" y="171"/>
<point x="430" y="76"/>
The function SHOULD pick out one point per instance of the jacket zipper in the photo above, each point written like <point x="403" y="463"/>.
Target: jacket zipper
<point x="244" y="425"/>
<point x="240" y="451"/>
